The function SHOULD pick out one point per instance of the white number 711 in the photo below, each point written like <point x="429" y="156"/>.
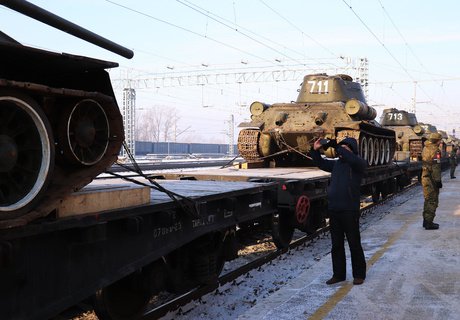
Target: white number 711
<point x="319" y="87"/>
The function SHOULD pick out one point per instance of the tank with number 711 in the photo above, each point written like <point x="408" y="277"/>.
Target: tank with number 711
<point x="331" y="107"/>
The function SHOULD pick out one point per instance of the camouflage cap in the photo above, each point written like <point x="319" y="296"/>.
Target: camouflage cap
<point x="435" y="137"/>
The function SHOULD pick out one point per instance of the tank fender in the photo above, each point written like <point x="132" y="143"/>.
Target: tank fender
<point x="251" y="125"/>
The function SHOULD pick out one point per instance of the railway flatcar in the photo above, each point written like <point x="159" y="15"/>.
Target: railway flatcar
<point x="64" y="237"/>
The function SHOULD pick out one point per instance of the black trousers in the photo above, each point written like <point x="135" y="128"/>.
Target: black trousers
<point x="346" y="223"/>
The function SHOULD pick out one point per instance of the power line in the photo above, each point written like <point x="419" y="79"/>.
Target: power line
<point x="378" y="40"/>
<point x="423" y="80"/>
<point x="186" y="30"/>
<point x="208" y="14"/>
<point x="401" y="35"/>
<point x="390" y="53"/>
<point x="300" y="30"/>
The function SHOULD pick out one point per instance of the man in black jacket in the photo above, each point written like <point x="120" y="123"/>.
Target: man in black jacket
<point x="344" y="204"/>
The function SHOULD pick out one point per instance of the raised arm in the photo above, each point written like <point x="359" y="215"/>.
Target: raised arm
<point x="323" y="164"/>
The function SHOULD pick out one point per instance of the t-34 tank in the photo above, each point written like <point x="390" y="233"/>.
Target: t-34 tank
<point x="429" y="129"/>
<point x="60" y="125"/>
<point x="332" y="107"/>
<point x="409" y="134"/>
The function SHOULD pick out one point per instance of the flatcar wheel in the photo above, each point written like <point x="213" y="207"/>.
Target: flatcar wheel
<point x="26" y="153"/>
<point x="124" y="299"/>
<point x="375" y="192"/>
<point x="282" y="228"/>
<point x="302" y="209"/>
<point x="85" y="135"/>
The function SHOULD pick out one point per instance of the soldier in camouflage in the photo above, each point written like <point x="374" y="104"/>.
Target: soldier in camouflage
<point x="453" y="161"/>
<point x="431" y="179"/>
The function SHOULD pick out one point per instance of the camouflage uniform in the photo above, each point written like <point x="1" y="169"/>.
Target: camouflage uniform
<point x="431" y="179"/>
<point x="453" y="162"/>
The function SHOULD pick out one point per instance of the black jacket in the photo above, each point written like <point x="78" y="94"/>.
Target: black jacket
<point x="346" y="175"/>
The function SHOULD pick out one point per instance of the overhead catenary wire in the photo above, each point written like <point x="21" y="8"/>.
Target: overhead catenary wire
<point x="206" y="13"/>
<point x="391" y="54"/>
<point x="237" y="28"/>
<point x="300" y="30"/>
<point x="186" y="30"/>
<point x="402" y="37"/>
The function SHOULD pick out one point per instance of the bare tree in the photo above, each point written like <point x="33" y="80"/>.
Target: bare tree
<point x="157" y="124"/>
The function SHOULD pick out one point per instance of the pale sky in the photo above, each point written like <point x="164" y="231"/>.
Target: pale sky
<point x="403" y="40"/>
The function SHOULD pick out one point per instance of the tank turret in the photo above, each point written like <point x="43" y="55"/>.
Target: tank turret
<point x="326" y="106"/>
<point x="60" y="125"/>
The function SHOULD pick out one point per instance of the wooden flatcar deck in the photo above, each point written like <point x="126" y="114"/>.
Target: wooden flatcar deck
<point x="202" y="189"/>
<point x="233" y="174"/>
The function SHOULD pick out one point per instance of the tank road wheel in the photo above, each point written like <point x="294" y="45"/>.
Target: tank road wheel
<point x="382" y="151"/>
<point x="387" y="151"/>
<point x="282" y="228"/>
<point x="370" y="148"/>
<point x="26" y="153"/>
<point x="85" y="133"/>
<point x="363" y="148"/>
<point x="377" y="151"/>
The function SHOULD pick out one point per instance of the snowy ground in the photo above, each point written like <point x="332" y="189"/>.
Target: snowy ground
<point x="233" y="299"/>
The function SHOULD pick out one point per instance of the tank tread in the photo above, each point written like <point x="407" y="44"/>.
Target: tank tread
<point x="248" y="141"/>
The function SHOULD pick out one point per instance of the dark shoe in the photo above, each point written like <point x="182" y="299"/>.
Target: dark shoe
<point x="453" y="177"/>
<point x="431" y="226"/>
<point x="334" y="280"/>
<point x="358" y="281"/>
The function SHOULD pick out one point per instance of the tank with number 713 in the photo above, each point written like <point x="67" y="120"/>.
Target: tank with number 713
<point x="410" y="135"/>
<point x="331" y="107"/>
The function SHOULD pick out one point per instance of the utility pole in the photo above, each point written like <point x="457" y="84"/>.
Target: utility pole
<point x="129" y="119"/>
<point x="414" y="101"/>
<point x="231" y="135"/>
<point x="362" y="68"/>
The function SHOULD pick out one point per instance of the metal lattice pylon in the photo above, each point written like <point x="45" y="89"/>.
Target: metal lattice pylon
<point x="129" y="118"/>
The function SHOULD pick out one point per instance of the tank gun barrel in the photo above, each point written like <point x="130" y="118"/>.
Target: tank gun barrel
<point x="53" y="20"/>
